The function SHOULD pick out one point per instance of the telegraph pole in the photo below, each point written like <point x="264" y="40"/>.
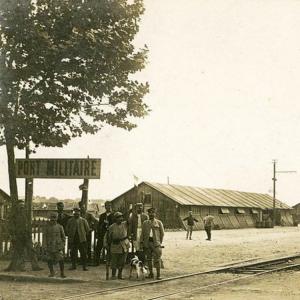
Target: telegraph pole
<point x="274" y="187"/>
<point x="274" y="191"/>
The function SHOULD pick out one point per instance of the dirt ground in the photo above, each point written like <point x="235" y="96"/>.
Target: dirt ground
<point x="183" y="256"/>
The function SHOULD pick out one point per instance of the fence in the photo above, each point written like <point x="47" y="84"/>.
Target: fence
<point x="38" y="226"/>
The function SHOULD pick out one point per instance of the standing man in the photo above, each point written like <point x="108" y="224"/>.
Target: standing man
<point x="118" y="243"/>
<point x="208" y="223"/>
<point x="151" y="239"/>
<point x="54" y="244"/>
<point x="77" y="230"/>
<point x="135" y="223"/>
<point x="92" y="221"/>
<point x="62" y="217"/>
<point x="190" y="224"/>
<point x="105" y="220"/>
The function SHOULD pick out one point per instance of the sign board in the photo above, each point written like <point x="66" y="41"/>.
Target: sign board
<point x="58" y="168"/>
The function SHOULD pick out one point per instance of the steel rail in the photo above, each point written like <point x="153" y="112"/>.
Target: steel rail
<point x="225" y="282"/>
<point x="212" y="271"/>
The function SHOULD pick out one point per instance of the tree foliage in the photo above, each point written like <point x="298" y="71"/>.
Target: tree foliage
<point x="66" y="68"/>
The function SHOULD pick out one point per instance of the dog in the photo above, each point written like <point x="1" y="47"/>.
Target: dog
<point x="138" y="266"/>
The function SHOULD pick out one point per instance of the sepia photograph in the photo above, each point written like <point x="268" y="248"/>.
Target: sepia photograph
<point x="149" y="149"/>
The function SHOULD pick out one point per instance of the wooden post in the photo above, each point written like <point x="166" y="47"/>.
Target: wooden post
<point x="28" y="197"/>
<point x="85" y="190"/>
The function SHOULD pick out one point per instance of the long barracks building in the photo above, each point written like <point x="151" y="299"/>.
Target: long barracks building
<point x="231" y="209"/>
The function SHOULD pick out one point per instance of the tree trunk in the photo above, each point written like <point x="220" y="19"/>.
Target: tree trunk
<point x="11" y="167"/>
<point x="16" y="221"/>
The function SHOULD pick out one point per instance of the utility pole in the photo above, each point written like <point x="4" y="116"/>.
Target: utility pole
<point x="274" y="187"/>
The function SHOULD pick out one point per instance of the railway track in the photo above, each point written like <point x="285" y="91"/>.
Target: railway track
<point x="240" y="271"/>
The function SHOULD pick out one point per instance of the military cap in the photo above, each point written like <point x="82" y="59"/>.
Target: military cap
<point x="139" y="204"/>
<point x="151" y="210"/>
<point x="76" y="209"/>
<point x="118" y="214"/>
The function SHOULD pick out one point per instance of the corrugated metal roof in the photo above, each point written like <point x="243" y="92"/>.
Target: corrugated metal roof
<point x="188" y="195"/>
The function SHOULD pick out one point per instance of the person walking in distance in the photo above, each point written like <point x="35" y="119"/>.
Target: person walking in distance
<point x="190" y="224"/>
<point x="151" y="241"/>
<point x="54" y="244"/>
<point x="77" y="230"/>
<point x="208" y="224"/>
<point x="135" y="223"/>
<point x="118" y="243"/>
<point x="105" y="220"/>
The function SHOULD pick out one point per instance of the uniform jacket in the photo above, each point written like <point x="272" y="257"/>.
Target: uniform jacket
<point x="133" y="224"/>
<point x="190" y="220"/>
<point x="157" y="230"/>
<point x="104" y="222"/>
<point x="79" y="224"/>
<point x="62" y="219"/>
<point x="208" y="221"/>
<point x="117" y="238"/>
<point x="92" y="221"/>
<point x="54" y="238"/>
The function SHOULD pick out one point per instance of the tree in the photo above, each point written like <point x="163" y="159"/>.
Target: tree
<point x="67" y="68"/>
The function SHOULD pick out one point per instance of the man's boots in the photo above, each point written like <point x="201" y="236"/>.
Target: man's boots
<point x="158" y="273"/>
<point x="150" y="267"/>
<point x="50" y="266"/>
<point x="120" y="274"/>
<point x="113" y="273"/>
<point x="62" y="269"/>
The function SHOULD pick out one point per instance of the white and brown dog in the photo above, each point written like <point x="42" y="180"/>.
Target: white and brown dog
<point x="140" y="269"/>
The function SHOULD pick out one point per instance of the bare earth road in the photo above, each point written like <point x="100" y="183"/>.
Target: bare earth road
<point x="181" y="257"/>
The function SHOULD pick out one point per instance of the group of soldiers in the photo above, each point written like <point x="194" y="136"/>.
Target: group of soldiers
<point x="115" y="235"/>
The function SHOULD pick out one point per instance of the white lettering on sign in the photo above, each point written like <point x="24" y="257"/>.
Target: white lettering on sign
<point x="58" y="168"/>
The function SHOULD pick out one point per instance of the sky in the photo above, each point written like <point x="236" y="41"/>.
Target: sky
<point x="224" y="99"/>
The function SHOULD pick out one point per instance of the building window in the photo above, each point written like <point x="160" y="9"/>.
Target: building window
<point x="196" y="210"/>
<point x="240" y="211"/>
<point x="148" y="199"/>
<point x="224" y="210"/>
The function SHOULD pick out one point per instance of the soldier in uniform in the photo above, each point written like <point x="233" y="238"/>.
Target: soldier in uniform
<point x="190" y="224"/>
<point x="135" y="223"/>
<point x="208" y="223"/>
<point x="54" y="244"/>
<point x="151" y="240"/>
<point x="118" y="242"/>
<point x="62" y="217"/>
<point x="77" y="230"/>
<point x="92" y="221"/>
<point x="105" y="220"/>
